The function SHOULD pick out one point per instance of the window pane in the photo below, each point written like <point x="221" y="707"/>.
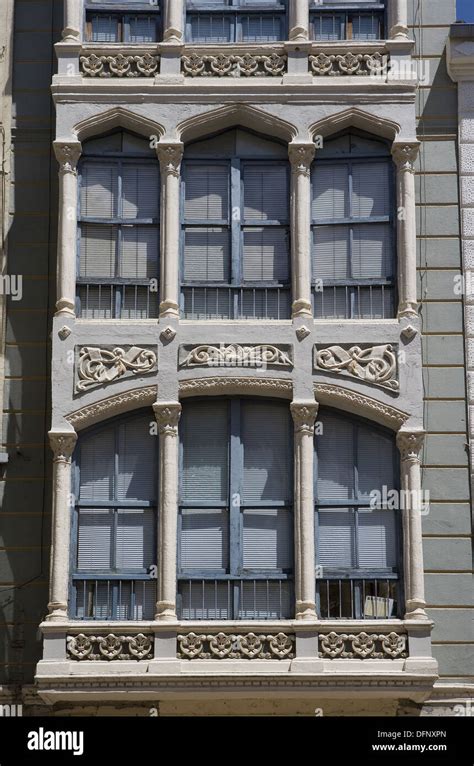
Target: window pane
<point x="99" y="185"/>
<point x="207" y="28"/>
<point x="205" y="438"/>
<point x="136" y="460"/>
<point x="267" y="452"/>
<point x="375" y="455"/>
<point x="370" y="190"/>
<point x="104" y="29"/>
<point x="98" y="249"/>
<point x="377" y="539"/>
<point x="261" y="28"/>
<point x="94" y="546"/>
<point x="266" y="256"/>
<point x="208" y="303"/>
<point x="365" y="27"/>
<point x="207" y="192"/>
<point x="206" y="254"/>
<point x="267" y="539"/>
<point x="139" y="257"/>
<point x="331" y="252"/>
<point x="140" y="191"/>
<point x="265" y="303"/>
<point x="142" y="29"/>
<point x="96" y="302"/>
<point x="335" y="460"/>
<point x="139" y="302"/>
<point x="335" y="538"/>
<point x="201" y="600"/>
<point x="136" y="543"/>
<point x="265" y="600"/>
<point x="328" y="27"/>
<point x="265" y="193"/>
<point x="333" y="302"/>
<point x="372" y="251"/>
<point x="97" y="456"/>
<point x="204" y="539"/>
<point x="330" y="192"/>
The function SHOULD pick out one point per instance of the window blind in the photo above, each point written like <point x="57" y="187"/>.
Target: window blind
<point x="205" y="440"/>
<point x="204" y="539"/>
<point x="267" y="538"/>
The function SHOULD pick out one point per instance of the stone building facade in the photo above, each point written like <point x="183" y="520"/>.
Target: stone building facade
<point x="251" y="373"/>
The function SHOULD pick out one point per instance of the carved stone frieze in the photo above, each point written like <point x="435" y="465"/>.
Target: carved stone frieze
<point x="362" y="645"/>
<point x="375" y="64"/>
<point x="110" y="647"/>
<point x="99" y="366"/>
<point x="120" y="65"/>
<point x="232" y="646"/>
<point x="224" y="385"/>
<point x="113" y="405"/>
<point x="343" y="398"/>
<point x="372" y="364"/>
<point x="234" y="65"/>
<point x="235" y="355"/>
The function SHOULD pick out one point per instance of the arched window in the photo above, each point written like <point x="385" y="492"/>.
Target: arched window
<point x="350" y="20"/>
<point x="114" y="528"/>
<point x="117" y="21"/>
<point x="236" y="245"/>
<point x="228" y="21"/>
<point x="119" y="203"/>
<point x="353" y="224"/>
<point x="235" y="552"/>
<point x="357" y="520"/>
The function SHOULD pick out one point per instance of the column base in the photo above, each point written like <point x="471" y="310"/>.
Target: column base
<point x="169" y="309"/>
<point x="301" y="308"/>
<point x="399" y="31"/>
<point x="408" y="309"/>
<point x="298" y="34"/>
<point x="65" y="308"/>
<point x="57" y="612"/>
<point x="166" y="611"/>
<point x="305" y="610"/>
<point x="415" y="610"/>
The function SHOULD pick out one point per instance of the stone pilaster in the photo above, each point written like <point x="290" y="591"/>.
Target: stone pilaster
<point x="301" y="156"/>
<point x="170" y="156"/>
<point x="67" y="154"/>
<point x="299" y="20"/>
<point x="399" y="20"/>
<point x="404" y="156"/>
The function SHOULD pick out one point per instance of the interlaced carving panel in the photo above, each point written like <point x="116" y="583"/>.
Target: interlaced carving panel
<point x="120" y="65"/>
<point x="248" y="646"/>
<point x="375" y="64"/>
<point x="234" y="65"/>
<point x="110" y="647"/>
<point x="362" y="646"/>
<point x="98" y="366"/>
<point x="372" y="364"/>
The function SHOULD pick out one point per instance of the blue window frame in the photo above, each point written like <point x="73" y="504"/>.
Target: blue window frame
<point x="114" y="521"/>
<point x="235" y="538"/>
<point x="228" y="21"/>
<point x="118" y="231"/>
<point x="112" y="21"/>
<point x="235" y="234"/>
<point x="357" y="532"/>
<point x="347" y="21"/>
<point x="353" y="229"/>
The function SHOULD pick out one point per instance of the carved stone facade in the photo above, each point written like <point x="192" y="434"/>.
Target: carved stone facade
<point x="373" y="364"/>
<point x="99" y="366"/>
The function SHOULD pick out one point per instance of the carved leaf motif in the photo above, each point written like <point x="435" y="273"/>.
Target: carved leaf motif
<point x="110" y="646"/>
<point x="191" y="645"/>
<point x="251" y="645"/>
<point x="281" y="645"/>
<point x="235" y="355"/>
<point x="140" y="646"/>
<point x="333" y="644"/>
<point x="100" y="366"/>
<point x="221" y="644"/>
<point x="79" y="646"/>
<point x="376" y="364"/>
<point x="393" y="644"/>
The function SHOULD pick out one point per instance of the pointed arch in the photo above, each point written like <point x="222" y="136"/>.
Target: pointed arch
<point x="355" y="403"/>
<point x="230" y="116"/>
<point x="117" y="118"/>
<point x="355" y="118"/>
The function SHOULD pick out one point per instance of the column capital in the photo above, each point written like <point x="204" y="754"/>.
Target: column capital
<point x="405" y="154"/>
<point x="410" y="443"/>
<point x="304" y="415"/>
<point x="170" y="155"/>
<point x="167" y="416"/>
<point x="301" y="156"/>
<point x="62" y="444"/>
<point x="67" y="154"/>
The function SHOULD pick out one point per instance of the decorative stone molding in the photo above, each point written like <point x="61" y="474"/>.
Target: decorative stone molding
<point x="64" y="332"/>
<point x="170" y="156"/>
<point x="410" y="444"/>
<point x="405" y="154"/>
<point x="109" y="647"/>
<point x="302" y="332"/>
<point x="114" y="405"/>
<point x="349" y="64"/>
<point x="234" y="65"/>
<point x="230" y="115"/>
<point x="248" y="646"/>
<point x="236" y="355"/>
<point x="62" y="444"/>
<point x="372" y="364"/>
<point x="409" y="332"/>
<point x="67" y="154"/>
<point x="99" y="366"/>
<point x="223" y="385"/>
<point x="167" y="416"/>
<point x="120" y="65"/>
<point x="304" y="415"/>
<point x="363" y="646"/>
<point x="168" y="334"/>
<point x="343" y="399"/>
<point x="301" y="156"/>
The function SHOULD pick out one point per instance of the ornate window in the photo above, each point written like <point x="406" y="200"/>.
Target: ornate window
<point x="117" y="21"/>
<point x="114" y="523"/>
<point x="357" y="529"/>
<point x="118" y="247"/>
<point x="228" y="21"/>
<point x="354" y="20"/>
<point x="235" y="552"/>
<point x="236" y="246"/>
<point x="353" y="229"/>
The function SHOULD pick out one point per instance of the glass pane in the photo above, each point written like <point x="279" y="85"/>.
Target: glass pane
<point x="97" y="466"/>
<point x="375" y="456"/>
<point x="264" y="28"/>
<point x="99" y="189"/>
<point x="335" y="459"/>
<point x="136" y="543"/>
<point x="266" y="441"/>
<point x="210" y="28"/>
<point x="139" y="256"/>
<point x="265" y="193"/>
<point x="377" y="539"/>
<point x="98" y="250"/>
<point x="206" y="254"/>
<point x="208" y="303"/>
<point x="204" y="542"/>
<point x="370" y="190"/>
<point x="140" y="191"/>
<point x="142" y="29"/>
<point x="365" y="27"/>
<point x="206" y="192"/>
<point x="201" y="600"/>
<point x="137" y="459"/>
<point x="331" y="252"/>
<point x="330" y="192"/>
<point x="104" y="29"/>
<point x="96" y="302"/>
<point x="94" y="539"/>
<point x="372" y="256"/>
<point x="266" y="255"/>
<point x="265" y="303"/>
<point x="139" y="302"/>
<point x="335" y="538"/>
<point x="265" y="600"/>
<point x="205" y="439"/>
<point x="267" y="539"/>
<point x="328" y="27"/>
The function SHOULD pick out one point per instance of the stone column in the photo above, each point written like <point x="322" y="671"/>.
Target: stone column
<point x="173" y="31"/>
<point x="167" y="415"/>
<point x="62" y="443"/>
<point x="410" y="443"/>
<point x="67" y="153"/>
<point x="170" y="156"/>
<point x="299" y="20"/>
<point x="399" y="20"/>
<point x="301" y="157"/>
<point x="404" y="156"/>
<point x="304" y="416"/>
<point x="72" y="20"/>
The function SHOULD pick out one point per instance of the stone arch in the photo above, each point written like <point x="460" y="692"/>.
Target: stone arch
<point x="279" y="388"/>
<point x="111" y="406"/>
<point x="117" y="118"/>
<point x="355" y="403"/>
<point x="355" y="118"/>
<point x="232" y="115"/>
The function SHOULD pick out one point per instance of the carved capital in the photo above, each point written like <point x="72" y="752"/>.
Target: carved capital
<point x="62" y="443"/>
<point x="170" y="156"/>
<point x="404" y="156"/>
<point x="410" y="443"/>
<point x="304" y="415"/>
<point x="301" y="157"/>
<point x="167" y="416"/>
<point x="67" y="154"/>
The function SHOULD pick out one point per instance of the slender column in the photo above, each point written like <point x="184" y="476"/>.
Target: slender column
<point x="399" y="19"/>
<point x="404" y="156"/>
<point x="72" y="20"/>
<point x="67" y="154"/>
<point x="301" y="157"/>
<point x="299" y="20"/>
<point x="304" y="416"/>
<point x="170" y="156"/>
<point x="410" y="443"/>
<point x="62" y="443"/>
<point x="173" y="32"/>
<point x="167" y="415"/>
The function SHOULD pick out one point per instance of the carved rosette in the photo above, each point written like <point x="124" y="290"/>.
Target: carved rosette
<point x="67" y="154"/>
<point x="98" y="366"/>
<point x="110" y="647"/>
<point x="404" y="156"/>
<point x="362" y="645"/>
<point x="410" y="444"/>
<point x="236" y="355"/>
<point x="62" y="444"/>
<point x="170" y="156"/>
<point x="248" y="646"/>
<point x="301" y="156"/>
<point x="304" y="416"/>
<point x="374" y="364"/>
<point x="167" y="416"/>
